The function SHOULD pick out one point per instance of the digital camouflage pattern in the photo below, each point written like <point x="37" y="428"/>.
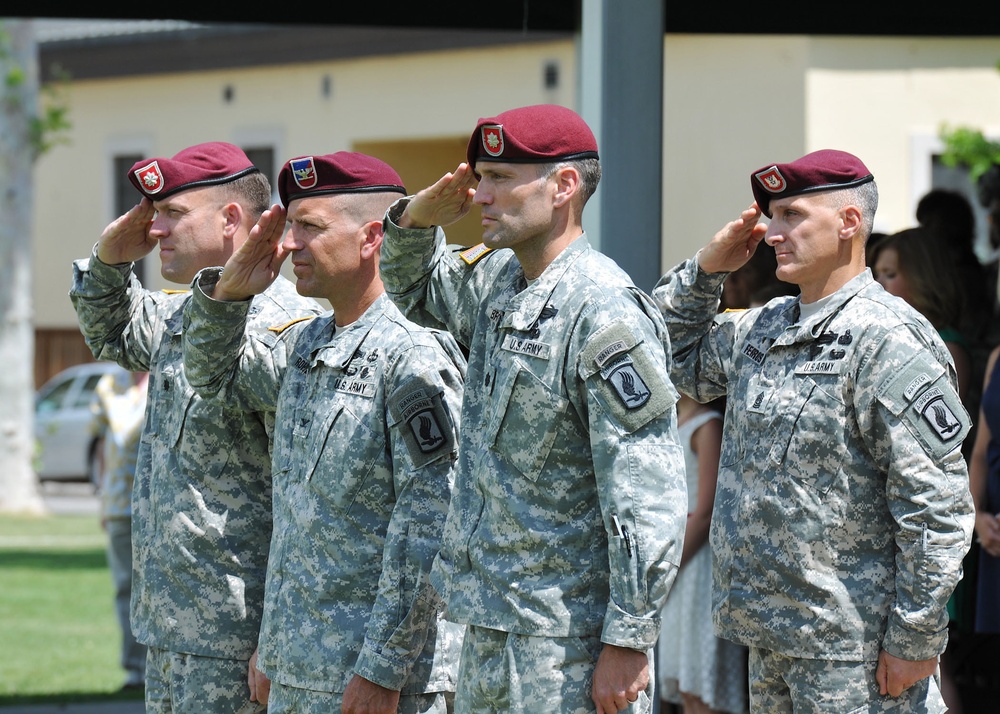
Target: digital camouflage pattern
<point x="843" y="511"/>
<point x="812" y="686"/>
<point x="569" y="512"/>
<point x="508" y="672"/>
<point x="177" y="682"/>
<point x="284" y="699"/>
<point x="202" y="500"/>
<point x="364" y="456"/>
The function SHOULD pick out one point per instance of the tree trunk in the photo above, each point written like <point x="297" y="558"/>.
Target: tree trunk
<point x="19" y="491"/>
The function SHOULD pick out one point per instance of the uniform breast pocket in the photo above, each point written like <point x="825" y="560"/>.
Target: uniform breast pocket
<point x="809" y="440"/>
<point x="172" y="397"/>
<point x="524" y="431"/>
<point x="343" y="453"/>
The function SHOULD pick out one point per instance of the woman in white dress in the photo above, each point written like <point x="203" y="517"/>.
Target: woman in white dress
<point x="695" y="668"/>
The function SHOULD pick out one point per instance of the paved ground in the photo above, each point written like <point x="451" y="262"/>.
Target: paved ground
<point x="73" y="499"/>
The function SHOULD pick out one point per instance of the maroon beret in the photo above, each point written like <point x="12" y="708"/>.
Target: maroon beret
<point x="542" y="133"/>
<point x="343" y="172"/>
<point x="824" y="170"/>
<point x="200" y="165"/>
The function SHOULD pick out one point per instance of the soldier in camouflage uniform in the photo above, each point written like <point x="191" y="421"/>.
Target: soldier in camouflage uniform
<point x="202" y="496"/>
<point x="842" y="511"/>
<point x="367" y="407"/>
<point x="567" y="522"/>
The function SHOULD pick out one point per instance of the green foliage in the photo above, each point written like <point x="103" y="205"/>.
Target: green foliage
<point x="968" y="147"/>
<point x="48" y="123"/>
<point x="60" y="636"/>
<point x="51" y="125"/>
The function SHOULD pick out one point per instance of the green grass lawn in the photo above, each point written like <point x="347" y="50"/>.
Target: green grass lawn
<point x="59" y="638"/>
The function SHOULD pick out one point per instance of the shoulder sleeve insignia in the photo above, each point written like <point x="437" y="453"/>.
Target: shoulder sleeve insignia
<point x="634" y="389"/>
<point x="278" y="329"/>
<point x="419" y="412"/>
<point x="471" y="255"/>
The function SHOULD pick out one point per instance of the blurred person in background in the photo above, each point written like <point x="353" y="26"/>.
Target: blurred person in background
<point x="118" y="407"/>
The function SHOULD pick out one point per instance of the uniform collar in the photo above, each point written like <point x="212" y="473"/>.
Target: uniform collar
<point x="527" y="305"/>
<point x="812" y="328"/>
<point x="343" y="342"/>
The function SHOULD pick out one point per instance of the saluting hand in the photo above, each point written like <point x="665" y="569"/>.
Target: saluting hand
<point x="442" y="203"/>
<point x="253" y="266"/>
<point x="735" y="244"/>
<point x="127" y="238"/>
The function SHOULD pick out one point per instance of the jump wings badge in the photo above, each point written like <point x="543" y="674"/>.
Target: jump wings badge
<point x="150" y="177"/>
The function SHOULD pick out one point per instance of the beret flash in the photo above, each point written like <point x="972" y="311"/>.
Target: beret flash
<point x="824" y="170"/>
<point x="343" y="172"/>
<point x="541" y="133"/>
<point x="209" y="164"/>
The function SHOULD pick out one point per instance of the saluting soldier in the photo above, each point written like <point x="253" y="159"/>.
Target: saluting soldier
<point x="367" y="407"/>
<point x="201" y="503"/>
<point x="567" y="523"/>
<point x="842" y="511"/>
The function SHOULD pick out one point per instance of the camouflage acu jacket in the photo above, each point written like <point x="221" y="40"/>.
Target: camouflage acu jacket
<point x="571" y="502"/>
<point x="201" y="517"/>
<point x="364" y="455"/>
<point x="842" y="512"/>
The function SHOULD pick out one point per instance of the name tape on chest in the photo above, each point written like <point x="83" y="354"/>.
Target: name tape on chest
<point x="522" y="346"/>
<point x="357" y="387"/>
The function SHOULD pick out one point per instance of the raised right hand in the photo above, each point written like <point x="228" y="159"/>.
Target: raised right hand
<point x="734" y="244"/>
<point x="253" y="266"/>
<point x="127" y="238"/>
<point x="442" y="203"/>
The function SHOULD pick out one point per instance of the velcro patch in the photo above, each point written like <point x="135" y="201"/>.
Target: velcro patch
<point x="935" y="410"/>
<point x="523" y="346"/>
<point x="426" y="427"/>
<point x="634" y="390"/>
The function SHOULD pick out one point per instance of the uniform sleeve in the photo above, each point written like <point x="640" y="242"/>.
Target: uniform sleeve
<point x="638" y="463"/>
<point x="424" y="401"/>
<point x="430" y="282"/>
<point x="914" y="423"/>
<point x="118" y="318"/>
<point x="222" y="358"/>
<point x="702" y="341"/>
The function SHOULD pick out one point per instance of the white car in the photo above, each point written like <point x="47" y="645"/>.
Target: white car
<point x="65" y="446"/>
